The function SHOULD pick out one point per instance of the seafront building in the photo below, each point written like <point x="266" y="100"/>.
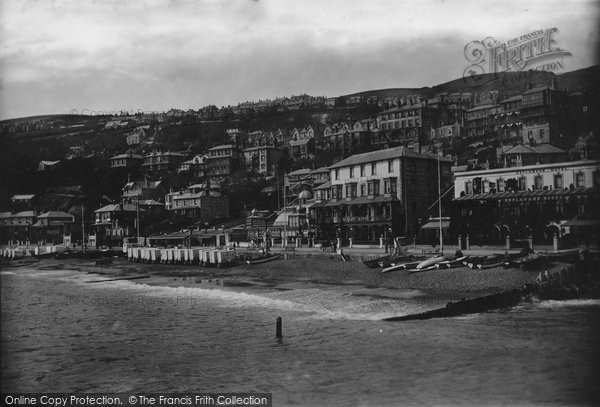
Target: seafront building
<point x="531" y="201"/>
<point x="115" y="222"/>
<point x="379" y="194"/>
<point x="200" y="202"/>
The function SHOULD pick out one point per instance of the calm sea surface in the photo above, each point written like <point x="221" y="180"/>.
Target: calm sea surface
<point x="60" y="333"/>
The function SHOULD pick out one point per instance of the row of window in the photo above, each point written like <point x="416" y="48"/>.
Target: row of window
<point x="370" y="188"/>
<point x="397" y="115"/>
<point x="400" y="124"/>
<point x="503" y="185"/>
<point x="363" y="170"/>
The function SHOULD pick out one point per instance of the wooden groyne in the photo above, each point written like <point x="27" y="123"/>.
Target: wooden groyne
<point x="570" y="282"/>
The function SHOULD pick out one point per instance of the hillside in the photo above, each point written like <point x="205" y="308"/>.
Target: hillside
<point x="506" y="83"/>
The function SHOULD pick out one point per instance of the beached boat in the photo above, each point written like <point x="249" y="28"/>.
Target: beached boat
<point x="527" y="262"/>
<point x="22" y="262"/>
<point x="430" y="262"/>
<point x="457" y="262"/>
<point x="496" y="260"/>
<point x="419" y="270"/>
<point x="264" y="259"/>
<point x="399" y="266"/>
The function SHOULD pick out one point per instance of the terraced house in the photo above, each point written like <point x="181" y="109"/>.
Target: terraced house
<point x="407" y="125"/>
<point x="534" y="201"/>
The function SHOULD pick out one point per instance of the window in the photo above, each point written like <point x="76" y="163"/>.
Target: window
<point x="390" y="165"/>
<point x="373" y="169"/>
<point x="522" y="184"/>
<point x="579" y="180"/>
<point x="558" y="181"/>
<point x="500" y="184"/>
<point x="351" y="190"/>
<point x="337" y="174"/>
<point x="351" y="172"/>
<point x="362" y="170"/>
<point x="389" y="186"/>
<point x="485" y="187"/>
<point x="363" y="190"/>
<point x="370" y="188"/>
<point x="539" y="183"/>
<point x="596" y="177"/>
<point x="376" y="188"/>
<point x="468" y="187"/>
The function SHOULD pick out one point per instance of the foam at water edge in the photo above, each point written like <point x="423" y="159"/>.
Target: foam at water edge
<point x="568" y="303"/>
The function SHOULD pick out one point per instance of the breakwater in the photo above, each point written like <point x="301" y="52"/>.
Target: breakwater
<point x="578" y="280"/>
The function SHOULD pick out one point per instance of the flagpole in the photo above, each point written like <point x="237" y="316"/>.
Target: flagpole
<point x="440" y="206"/>
<point x="82" y="231"/>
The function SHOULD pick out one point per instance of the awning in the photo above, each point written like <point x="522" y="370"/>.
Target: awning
<point x="435" y="224"/>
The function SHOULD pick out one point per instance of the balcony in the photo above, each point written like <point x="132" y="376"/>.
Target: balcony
<point x="363" y="219"/>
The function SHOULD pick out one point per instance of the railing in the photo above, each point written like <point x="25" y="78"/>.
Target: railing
<point x="376" y="218"/>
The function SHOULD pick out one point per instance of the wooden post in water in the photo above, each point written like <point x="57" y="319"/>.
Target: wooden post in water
<point x="278" y="333"/>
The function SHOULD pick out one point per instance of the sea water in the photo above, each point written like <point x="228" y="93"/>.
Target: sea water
<point x="61" y="333"/>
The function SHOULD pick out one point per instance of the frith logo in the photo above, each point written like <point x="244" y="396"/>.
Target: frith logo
<point x="536" y="50"/>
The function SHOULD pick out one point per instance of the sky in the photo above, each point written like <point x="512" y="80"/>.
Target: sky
<point x="60" y="56"/>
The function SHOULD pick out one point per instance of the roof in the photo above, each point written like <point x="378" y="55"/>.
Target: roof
<point x="300" y="142"/>
<point x="156" y="153"/>
<point x="56" y="214"/>
<point x="536" y="89"/>
<point x="401" y="108"/>
<point x="302" y="171"/>
<point x="324" y="185"/>
<point x="512" y="99"/>
<point x="382" y="155"/>
<point x="24" y="214"/>
<point x="535" y="149"/>
<point x="221" y="147"/>
<point x="201" y="194"/>
<point x="22" y="197"/>
<point x="142" y="184"/>
<point x="320" y="170"/>
<point x="527" y="194"/>
<point x="547" y="149"/>
<point x="481" y="107"/>
<point x="532" y="167"/>
<point x="118" y="208"/>
<point x="126" y="155"/>
<point x="4" y="215"/>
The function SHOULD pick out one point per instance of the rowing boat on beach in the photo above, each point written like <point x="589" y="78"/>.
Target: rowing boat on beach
<point x="21" y="262"/>
<point x="457" y="262"/>
<point x="264" y="259"/>
<point x="399" y="266"/>
<point x="430" y="262"/>
<point x="527" y="262"/>
<point x="419" y="270"/>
